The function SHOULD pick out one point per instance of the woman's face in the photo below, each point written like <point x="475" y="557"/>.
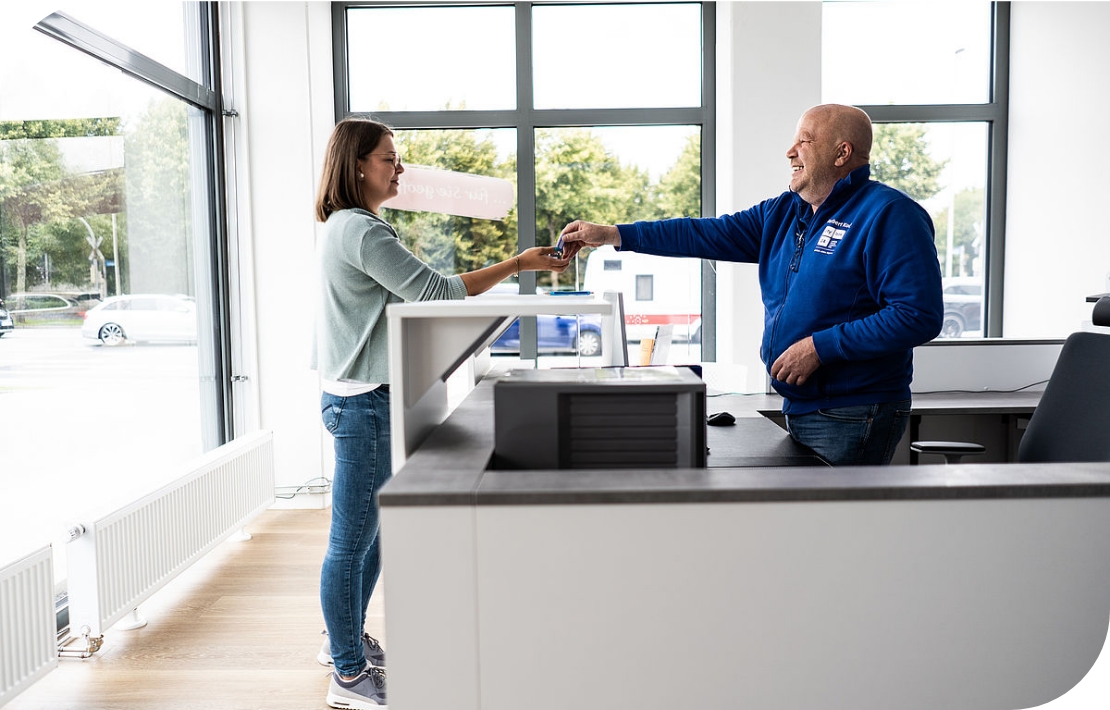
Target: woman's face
<point x="381" y="169"/>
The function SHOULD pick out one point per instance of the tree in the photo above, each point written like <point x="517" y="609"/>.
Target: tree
<point x="680" y="188"/>
<point x="449" y="243"/>
<point x="900" y="158"/>
<point x="31" y="173"/>
<point x="38" y="195"/>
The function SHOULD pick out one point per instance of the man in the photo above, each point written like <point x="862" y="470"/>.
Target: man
<point x="850" y="282"/>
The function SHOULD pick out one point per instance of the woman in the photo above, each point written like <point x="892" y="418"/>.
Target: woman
<point x="363" y="268"/>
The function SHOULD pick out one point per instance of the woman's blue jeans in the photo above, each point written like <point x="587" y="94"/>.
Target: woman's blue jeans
<point x="359" y="426"/>
<point x="862" y="435"/>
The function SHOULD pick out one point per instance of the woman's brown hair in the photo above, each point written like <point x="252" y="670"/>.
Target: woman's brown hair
<point x="351" y="139"/>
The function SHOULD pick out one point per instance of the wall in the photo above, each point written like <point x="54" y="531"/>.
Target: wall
<point x="1059" y="66"/>
<point x="768" y="74"/>
<point x="286" y="116"/>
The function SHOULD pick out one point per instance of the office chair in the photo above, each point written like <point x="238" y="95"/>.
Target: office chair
<point x="1072" y="420"/>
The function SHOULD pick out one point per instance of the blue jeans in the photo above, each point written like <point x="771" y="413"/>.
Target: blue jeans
<point x="861" y="435"/>
<point x="359" y="426"/>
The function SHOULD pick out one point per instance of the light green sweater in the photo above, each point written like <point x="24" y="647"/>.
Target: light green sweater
<point x="363" y="267"/>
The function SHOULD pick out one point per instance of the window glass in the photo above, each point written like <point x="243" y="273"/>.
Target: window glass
<point x="450" y="176"/>
<point x="943" y="166"/>
<point x="916" y="53"/>
<point x="100" y="194"/>
<point x="431" y="58"/>
<point x="169" y="32"/>
<point x="582" y="62"/>
<point x="616" y="175"/>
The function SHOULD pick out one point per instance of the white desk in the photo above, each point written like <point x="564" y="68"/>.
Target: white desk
<point x="430" y="340"/>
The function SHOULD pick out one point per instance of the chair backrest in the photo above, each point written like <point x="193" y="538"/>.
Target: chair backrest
<point x="1072" y="420"/>
<point x="1101" y="315"/>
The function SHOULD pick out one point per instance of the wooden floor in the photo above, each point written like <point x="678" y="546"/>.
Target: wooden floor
<point x="238" y="630"/>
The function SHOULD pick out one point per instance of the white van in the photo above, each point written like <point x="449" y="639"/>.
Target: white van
<point x="658" y="290"/>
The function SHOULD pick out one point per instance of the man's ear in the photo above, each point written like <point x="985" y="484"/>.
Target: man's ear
<point x="843" y="153"/>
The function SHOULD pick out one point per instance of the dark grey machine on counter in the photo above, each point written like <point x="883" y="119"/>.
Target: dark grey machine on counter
<point x="620" y="417"/>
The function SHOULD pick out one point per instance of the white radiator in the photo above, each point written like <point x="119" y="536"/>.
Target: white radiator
<point x="28" y="624"/>
<point x="117" y="562"/>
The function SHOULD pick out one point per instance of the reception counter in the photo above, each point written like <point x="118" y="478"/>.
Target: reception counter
<point x="766" y="580"/>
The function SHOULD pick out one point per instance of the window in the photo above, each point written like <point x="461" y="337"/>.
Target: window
<point x="620" y="133"/>
<point x="938" y="102"/>
<point x="645" y="290"/>
<point x="107" y="187"/>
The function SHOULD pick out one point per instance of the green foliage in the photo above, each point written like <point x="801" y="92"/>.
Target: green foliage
<point x="900" y="158"/>
<point x="680" y="189"/>
<point x="578" y="178"/>
<point x="448" y="243"/>
<point x="41" y="199"/>
<point x="60" y="128"/>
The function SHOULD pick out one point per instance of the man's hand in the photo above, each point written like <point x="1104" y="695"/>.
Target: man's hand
<point x="797" y="363"/>
<point x="580" y="234"/>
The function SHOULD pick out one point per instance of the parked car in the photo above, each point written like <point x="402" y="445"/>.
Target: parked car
<point x="963" y="306"/>
<point x="142" y="318"/>
<point x="6" y="322"/>
<point x="44" y="309"/>
<point x="556" y="334"/>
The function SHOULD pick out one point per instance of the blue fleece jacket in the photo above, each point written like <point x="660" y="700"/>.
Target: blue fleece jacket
<point x="860" y="275"/>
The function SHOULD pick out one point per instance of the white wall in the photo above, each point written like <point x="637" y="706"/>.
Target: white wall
<point x="286" y="114"/>
<point x="1057" y="245"/>
<point x="768" y="74"/>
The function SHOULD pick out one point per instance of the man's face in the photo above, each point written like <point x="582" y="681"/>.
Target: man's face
<point x="813" y="161"/>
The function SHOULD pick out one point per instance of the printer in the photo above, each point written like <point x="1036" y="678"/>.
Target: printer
<point x="604" y="417"/>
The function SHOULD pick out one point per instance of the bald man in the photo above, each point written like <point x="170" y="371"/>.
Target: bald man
<point x="850" y="281"/>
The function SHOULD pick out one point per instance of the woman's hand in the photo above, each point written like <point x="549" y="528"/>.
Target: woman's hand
<point x="542" y="259"/>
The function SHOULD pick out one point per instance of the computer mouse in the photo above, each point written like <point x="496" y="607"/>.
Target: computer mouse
<point x="720" y="419"/>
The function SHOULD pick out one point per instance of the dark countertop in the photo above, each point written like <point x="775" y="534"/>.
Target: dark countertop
<point x="746" y="464"/>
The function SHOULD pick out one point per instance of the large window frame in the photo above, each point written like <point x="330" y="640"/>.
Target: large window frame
<point x="994" y="113"/>
<point x="526" y="119"/>
<point x="208" y="99"/>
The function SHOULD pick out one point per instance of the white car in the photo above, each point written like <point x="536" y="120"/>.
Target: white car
<point x="141" y="318"/>
<point x="6" y="322"/>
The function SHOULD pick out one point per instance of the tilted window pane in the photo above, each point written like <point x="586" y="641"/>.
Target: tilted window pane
<point x="906" y="53"/>
<point x="167" y="32"/>
<point x="617" y="56"/>
<point x="431" y="58"/>
<point x="617" y="175"/>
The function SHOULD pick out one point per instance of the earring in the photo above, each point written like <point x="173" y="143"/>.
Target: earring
<point x="361" y="176"/>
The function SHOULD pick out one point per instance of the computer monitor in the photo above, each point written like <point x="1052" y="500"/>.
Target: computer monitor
<point x="614" y="339"/>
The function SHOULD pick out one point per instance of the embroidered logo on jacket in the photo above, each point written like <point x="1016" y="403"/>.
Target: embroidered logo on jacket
<point x="829" y="238"/>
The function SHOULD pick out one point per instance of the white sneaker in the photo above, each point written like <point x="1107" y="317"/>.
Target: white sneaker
<point x="365" y="692"/>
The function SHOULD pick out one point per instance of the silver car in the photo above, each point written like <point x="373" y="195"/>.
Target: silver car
<point x="142" y="318"/>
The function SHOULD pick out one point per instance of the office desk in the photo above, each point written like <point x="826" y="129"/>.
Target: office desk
<point x="980" y="586"/>
<point x="754" y="440"/>
<point x="1010" y="408"/>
